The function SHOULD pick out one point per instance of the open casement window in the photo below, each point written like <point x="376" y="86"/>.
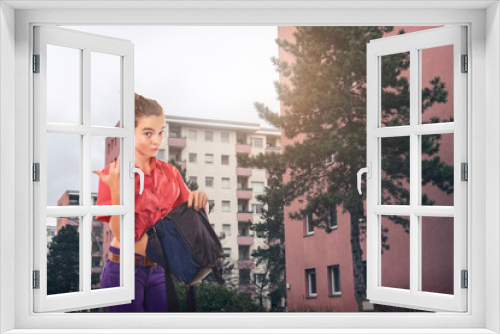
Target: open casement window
<point x="416" y="145"/>
<point x="84" y="111"/>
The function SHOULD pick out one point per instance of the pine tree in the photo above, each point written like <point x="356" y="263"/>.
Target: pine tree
<point x="325" y="114"/>
<point x="63" y="262"/>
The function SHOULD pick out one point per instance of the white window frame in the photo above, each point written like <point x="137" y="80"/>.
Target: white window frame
<point x="413" y="42"/>
<point x="226" y="208"/>
<point x="310" y="293"/>
<point x="191" y="136"/>
<point x="87" y="43"/>
<point x="332" y="280"/>
<point x="308" y="230"/>
<point x="209" y="158"/>
<point x="16" y="165"/>
<point x="225" y="183"/>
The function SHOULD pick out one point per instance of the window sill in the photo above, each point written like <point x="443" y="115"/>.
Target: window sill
<point x="335" y="295"/>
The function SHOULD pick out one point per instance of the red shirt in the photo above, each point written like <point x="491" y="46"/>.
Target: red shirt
<point x="164" y="190"/>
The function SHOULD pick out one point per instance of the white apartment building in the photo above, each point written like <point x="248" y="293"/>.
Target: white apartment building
<point x="207" y="150"/>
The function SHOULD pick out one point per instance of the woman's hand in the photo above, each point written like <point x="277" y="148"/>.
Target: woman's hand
<point x="112" y="180"/>
<point x="198" y="200"/>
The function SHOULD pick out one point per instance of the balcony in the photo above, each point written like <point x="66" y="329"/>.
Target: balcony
<point x="243" y="148"/>
<point x="245" y="241"/>
<point x="245" y="216"/>
<point x="273" y="149"/>
<point x="244" y="193"/>
<point x="246" y="264"/>
<point x="241" y="171"/>
<point x="177" y="142"/>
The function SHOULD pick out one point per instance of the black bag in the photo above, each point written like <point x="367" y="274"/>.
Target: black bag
<point x="186" y="246"/>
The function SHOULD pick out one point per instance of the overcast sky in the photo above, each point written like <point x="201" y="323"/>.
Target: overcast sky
<point x="205" y="72"/>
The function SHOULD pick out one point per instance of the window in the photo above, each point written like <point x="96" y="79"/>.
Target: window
<point x="256" y="142"/>
<point x="226" y="206"/>
<point x="311" y="283"/>
<point x="225" y="183"/>
<point x="211" y="204"/>
<point x="332" y="217"/>
<point x="309" y="226"/>
<point x="226" y="229"/>
<point x="417" y="218"/>
<point x="193" y="134"/>
<point x="401" y="320"/>
<point x="257" y="208"/>
<point x="224" y="137"/>
<point x="209" y="158"/>
<point x="224" y="159"/>
<point x="192" y="157"/>
<point x="258" y="279"/>
<point x="209" y="136"/>
<point x="193" y="179"/>
<point x="258" y="187"/>
<point x="227" y="252"/>
<point x="244" y="276"/>
<point x="334" y="279"/>
<point x="209" y="181"/>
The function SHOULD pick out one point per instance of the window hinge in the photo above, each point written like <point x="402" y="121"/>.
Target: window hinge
<point x="36" y="63"/>
<point x="36" y="279"/>
<point x="465" y="64"/>
<point x="465" y="279"/>
<point x="465" y="171"/>
<point x="36" y="172"/>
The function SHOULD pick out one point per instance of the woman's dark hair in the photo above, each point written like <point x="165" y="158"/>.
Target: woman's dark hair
<point x="146" y="107"/>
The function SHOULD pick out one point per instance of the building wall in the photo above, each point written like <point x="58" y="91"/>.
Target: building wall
<point x="322" y="249"/>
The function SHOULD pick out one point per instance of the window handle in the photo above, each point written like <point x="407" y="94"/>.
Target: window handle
<point x="368" y="171"/>
<point x="133" y="170"/>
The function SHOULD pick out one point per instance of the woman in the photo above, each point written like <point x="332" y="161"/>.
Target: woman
<point x="164" y="189"/>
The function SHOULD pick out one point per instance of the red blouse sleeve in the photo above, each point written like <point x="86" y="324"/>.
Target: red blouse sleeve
<point x="103" y="195"/>
<point x="184" y="190"/>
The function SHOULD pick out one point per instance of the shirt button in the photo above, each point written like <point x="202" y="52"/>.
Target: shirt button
<point x="157" y="208"/>
<point x="152" y="191"/>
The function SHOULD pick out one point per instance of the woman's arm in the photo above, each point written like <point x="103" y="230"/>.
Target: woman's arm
<point x="112" y="180"/>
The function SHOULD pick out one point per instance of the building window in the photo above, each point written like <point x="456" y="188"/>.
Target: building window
<point x="311" y="283"/>
<point x="309" y="224"/>
<point x="226" y="206"/>
<point x="226" y="229"/>
<point x="193" y="157"/>
<point x="258" y="187"/>
<point x="258" y="279"/>
<point x="332" y="217"/>
<point x="334" y="279"/>
<point x="225" y="182"/>
<point x="227" y="252"/>
<point x="193" y="134"/>
<point x="209" y="181"/>
<point x="224" y="137"/>
<point x="209" y="158"/>
<point x="257" y="208"/>
<point x="209" y="136"/>
<point x="244" y="276"/>
<point x="211" y="204"/>
<point x="256" y="142"/>
<point x="193" y="179"/>
<point x="224" y="159"/>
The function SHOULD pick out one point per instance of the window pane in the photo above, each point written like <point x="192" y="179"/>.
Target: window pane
<point x="437" y="84"/>
<point x="395" y="235"/>
<point x="437" y="169"/>
<point x="102" y="237"/>
<point x="105" y="95"/>
<point x="63" y="169"/>
<point x="395" y="171"/>
<point x="63" y="255"/>
<point x="103" y="151"/>
<point x="395" y="96"/>
<point x="63" y="84"/>
<point x="437" y="254"/>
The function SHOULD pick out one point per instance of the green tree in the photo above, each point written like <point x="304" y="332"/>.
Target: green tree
<point x="271" y="258"/>
<point x="324" y="112"/>
<point x="63" y="262"/>
<point x="212" y="297"/>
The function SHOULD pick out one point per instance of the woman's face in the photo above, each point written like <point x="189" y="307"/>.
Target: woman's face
<point x="149" y="134"/>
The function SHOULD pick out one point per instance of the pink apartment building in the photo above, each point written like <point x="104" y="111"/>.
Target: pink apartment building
<point x="323" y="262"/>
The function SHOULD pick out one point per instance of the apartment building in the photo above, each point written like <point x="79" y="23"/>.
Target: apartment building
<point x="208" y="150"/>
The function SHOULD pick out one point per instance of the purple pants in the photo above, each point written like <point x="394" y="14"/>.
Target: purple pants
<point x="150" y="290"/>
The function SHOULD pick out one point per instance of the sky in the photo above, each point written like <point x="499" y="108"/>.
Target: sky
<point x="192" y="71"/>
